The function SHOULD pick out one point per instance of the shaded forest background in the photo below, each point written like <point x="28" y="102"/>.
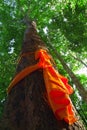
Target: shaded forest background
<point x="62" y="24"/>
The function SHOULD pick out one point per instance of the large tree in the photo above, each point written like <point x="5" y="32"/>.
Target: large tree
<point x="64" y="22"/>
<point x="26" y="106"/>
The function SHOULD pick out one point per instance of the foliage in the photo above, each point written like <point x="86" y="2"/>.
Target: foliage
<point x="62" y="21"/>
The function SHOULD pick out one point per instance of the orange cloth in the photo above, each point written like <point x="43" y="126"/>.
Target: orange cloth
<point x="57" y="87"/>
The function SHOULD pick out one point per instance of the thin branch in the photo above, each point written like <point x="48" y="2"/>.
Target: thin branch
<point x="78" y="60"/>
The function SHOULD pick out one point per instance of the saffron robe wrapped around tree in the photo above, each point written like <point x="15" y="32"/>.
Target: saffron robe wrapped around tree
<point x="57" y="87"/>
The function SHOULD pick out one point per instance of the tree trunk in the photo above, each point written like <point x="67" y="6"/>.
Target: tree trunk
<point x="78" y="59"/>
<point x="75" y="80"/>
<point x="26" y="108"/>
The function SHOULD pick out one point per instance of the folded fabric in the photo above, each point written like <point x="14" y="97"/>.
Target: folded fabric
<point x="57" y="87"/>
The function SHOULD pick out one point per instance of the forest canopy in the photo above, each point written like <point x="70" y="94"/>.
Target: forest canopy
<point x="62" y="25"/>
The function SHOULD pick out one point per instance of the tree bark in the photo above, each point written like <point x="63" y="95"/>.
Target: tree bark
<point x="26" y="108"/>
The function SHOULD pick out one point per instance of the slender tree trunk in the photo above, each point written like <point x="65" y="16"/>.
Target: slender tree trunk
<point x="26" y="108"/>
<point x="75" y="80"/>
<point x="77" y="58"/>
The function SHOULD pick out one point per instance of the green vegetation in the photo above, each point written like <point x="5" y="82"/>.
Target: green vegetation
<point x="61" y="23"/>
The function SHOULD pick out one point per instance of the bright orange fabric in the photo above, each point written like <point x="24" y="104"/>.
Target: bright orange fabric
<point x="57" y="87"/>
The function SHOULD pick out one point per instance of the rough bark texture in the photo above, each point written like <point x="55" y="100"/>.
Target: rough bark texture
<point x="26" y="108"/>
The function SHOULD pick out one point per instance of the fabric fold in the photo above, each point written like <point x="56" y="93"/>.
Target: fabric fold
<point x="57" y="87"/>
